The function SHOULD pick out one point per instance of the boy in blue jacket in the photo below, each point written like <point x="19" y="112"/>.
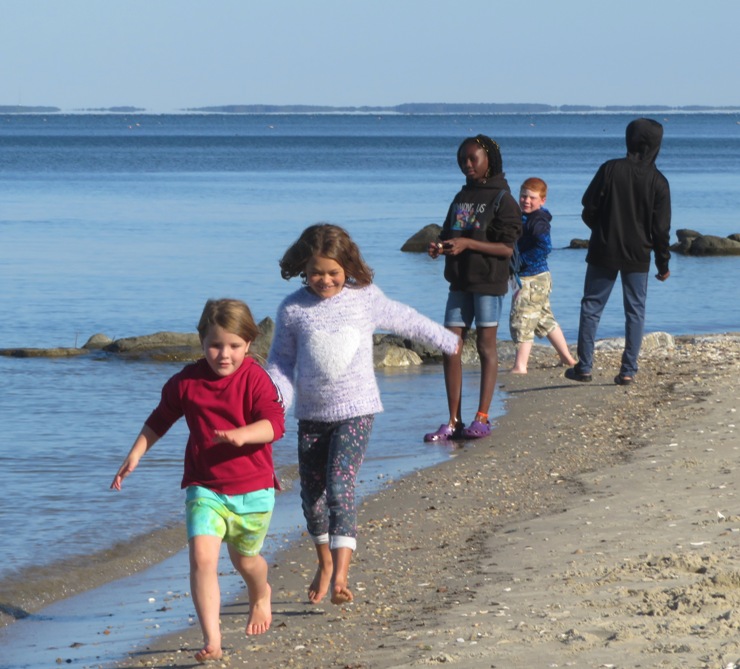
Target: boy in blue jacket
<point x="531" y="314"/>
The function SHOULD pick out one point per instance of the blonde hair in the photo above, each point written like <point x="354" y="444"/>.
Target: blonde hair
<point x="234" y="316"/>
<point x="536" y="185"/>
<point x="327" y="241"/>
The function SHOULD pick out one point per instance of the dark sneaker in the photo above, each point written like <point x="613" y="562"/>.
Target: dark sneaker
<point x="573" y="375"/>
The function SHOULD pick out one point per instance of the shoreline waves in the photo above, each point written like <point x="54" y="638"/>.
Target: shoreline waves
<point x="598" y="525"/>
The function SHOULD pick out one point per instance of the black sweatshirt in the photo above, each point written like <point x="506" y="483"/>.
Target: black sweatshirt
<point x="471" y="215"/>
<point x="628" y="206"/>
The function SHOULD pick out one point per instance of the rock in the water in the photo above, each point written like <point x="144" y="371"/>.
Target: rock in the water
<point x="387" y="355"/>
<point x="97" y="341"/>
<point x="419" y="243"/>
<point x="693" y="243"/>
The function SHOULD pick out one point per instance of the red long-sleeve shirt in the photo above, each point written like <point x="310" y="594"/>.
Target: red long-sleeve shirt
<point x="210" y="402"/>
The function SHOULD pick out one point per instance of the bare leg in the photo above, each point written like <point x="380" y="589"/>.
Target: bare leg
<point x="557" y="339"/>
<point x="453" y="380"/>
<point x="204" y="550"/>
<point x="253" y="570"/>
<point x="489" y="366"/>
<point x="522" y="357"/>
<point x="340" y="592"/>
<point x="322" y="579"/>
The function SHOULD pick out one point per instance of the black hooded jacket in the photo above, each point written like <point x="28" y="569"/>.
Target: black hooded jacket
<point x="471" y="215"/>
<point x="627" y="206"/>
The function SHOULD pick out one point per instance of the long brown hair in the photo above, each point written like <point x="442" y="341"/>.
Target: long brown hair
<point x="327" y="241"/>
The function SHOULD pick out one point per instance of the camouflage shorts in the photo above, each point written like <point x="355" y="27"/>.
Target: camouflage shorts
<point x="531" y="315"/>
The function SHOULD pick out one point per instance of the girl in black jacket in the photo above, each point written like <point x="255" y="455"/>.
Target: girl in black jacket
<point x="483" y="223"/>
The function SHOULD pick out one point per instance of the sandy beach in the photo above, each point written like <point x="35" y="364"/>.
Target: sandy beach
<point x="597" y="527"/>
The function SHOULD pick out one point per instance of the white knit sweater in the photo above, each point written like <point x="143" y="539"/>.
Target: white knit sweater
<point x="322" y="351"/>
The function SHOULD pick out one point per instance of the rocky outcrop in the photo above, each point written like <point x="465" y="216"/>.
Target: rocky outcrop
<point x="419" y="243"/>
<point x="390" y="351"/>
<point x="693" y="243"/>
<point x="160" y="346"/>
<point x="42" y="352"/>
<point x="690" y="242"/>
<point x="653" y="342"/>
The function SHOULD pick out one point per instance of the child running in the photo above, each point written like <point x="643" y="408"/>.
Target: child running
<point x="531" y="314"/>
<point x="234" y="412"/>
<point x="477" y="240"/>
<point x="322" y="354"/>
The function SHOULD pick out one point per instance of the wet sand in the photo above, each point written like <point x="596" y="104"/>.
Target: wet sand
<point x="597" y="527"/>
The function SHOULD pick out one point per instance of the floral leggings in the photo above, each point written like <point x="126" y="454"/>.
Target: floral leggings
<point x="329" y="458"/>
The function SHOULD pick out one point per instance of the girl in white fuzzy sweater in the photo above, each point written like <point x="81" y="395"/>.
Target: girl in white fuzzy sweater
<point x="322" y="357"/>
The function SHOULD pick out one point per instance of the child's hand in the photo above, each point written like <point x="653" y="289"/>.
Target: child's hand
<point x="663" y="277"/>
<point x="128" y="466"/>
<point x="453" y="247"/>
<point x="260" y="432"/>
<point x="435" y="248"/>
<point x="227" y="437"/>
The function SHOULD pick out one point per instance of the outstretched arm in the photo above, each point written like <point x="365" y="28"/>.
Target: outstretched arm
<point x="146" y="439"/>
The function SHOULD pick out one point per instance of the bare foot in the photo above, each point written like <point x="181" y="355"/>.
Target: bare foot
<point x="260" y="614"/>
<point x="568" y="363"/>
<point x="320" y="585"/>
<point x="209" y="652"/>
<point x="341" y="594"/>
<point x="516" y="370"/>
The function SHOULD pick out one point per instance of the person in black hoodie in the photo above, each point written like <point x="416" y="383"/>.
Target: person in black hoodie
<point x="483" y="223"/>
<point x="627" y="206"/>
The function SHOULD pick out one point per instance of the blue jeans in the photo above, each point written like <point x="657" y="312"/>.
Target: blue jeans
<point x="596" y="290"/>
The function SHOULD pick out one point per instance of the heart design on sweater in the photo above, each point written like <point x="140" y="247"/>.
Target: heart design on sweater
<point x="332" y="352"/>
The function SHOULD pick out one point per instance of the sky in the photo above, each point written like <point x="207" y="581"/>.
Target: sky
<point x="168" y="55"/>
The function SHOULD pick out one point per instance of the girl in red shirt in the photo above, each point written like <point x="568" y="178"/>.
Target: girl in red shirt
<point x="234" y="412"/>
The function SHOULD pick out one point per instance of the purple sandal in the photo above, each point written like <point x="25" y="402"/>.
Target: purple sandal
<point x="477" y="430"/>
<point x="444" y="433"/>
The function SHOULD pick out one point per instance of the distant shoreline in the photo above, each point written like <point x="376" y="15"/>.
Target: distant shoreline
<point x="402" y="109"/>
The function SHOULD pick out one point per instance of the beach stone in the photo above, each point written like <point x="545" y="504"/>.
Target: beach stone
<point x="652" y="342"/>
<point x="426" y="353"/>
<point x="691" y="242"/>
<point x="711" y="245"/>
<point x="97" y="341"/>
<point x="387" y="355"/>
<point x="657" y="341"/>
<point x="389" y="350"/>
<point x="41" y="352"/>
<point x="153" y="341"/>
<point x="578" y="244"/>
<point x="419" y="242"/>
<point x="727" y="338"/>
<point x="260" y="347"/>
<point x="687" y="234"/>
<point x="160" y="346"/>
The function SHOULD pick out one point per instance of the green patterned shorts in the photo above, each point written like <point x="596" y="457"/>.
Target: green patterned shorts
<point x="531" y="314"/>
<point x="240" y="520"/>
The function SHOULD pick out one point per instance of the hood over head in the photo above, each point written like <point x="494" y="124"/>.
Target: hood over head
<point x="643" y="136"/>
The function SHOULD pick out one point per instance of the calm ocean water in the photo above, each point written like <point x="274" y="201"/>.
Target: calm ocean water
<point x="125" y="225"/>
